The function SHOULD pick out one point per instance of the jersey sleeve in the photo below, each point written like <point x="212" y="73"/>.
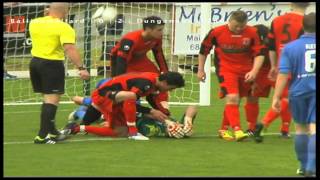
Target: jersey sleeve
<point x="67" y="35"/>
<point x="272" y="42"/>
<point x="257" y="47"/>
<point x="208" y="43"/>
<point x="124" y="54"/>
<point x="284" y="66"/>
<point x="141" y="86"/>
<point x="159" y="57"/>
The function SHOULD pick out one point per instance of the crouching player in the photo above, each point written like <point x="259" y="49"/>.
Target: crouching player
<point x="147" y="123"/>
<point x="116" y="98"/>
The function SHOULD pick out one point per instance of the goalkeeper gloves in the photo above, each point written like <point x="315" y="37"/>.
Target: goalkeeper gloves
<point x="174" y="129"/>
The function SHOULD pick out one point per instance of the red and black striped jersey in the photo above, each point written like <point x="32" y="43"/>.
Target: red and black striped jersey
<point x="266" y="63"/>
<point x="234" y="52"/>
<point x="133" y="47"/>
<point x="284" y="29"/>
<point x="143" y="84"/>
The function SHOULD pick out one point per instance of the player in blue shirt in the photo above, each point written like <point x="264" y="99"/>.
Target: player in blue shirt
<point x="299" y="60"/>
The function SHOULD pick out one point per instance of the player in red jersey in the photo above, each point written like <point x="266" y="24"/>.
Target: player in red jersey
<point x="129" y="55"/>
<point x="116" y="100"/>
<point x="284" y="29"/>
<point x="236" y="45"/>
<point x="262" y="84"/>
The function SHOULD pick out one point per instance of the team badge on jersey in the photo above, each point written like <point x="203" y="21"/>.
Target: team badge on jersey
<point x="126" y="48"/>
<point x="147" y="87"/>
<point x="246" y="41"/>
<point x="126" y="45"/>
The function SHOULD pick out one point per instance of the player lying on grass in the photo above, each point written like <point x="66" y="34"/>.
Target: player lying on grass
<point x="116" y="98"/>
<point x="147" y="123"/>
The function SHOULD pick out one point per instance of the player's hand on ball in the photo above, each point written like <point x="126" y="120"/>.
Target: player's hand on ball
<point x="174" y="129"/>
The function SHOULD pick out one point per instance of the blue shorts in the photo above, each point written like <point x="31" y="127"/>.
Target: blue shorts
<point x="80" y="112"/>
<point x="303" y="108"/>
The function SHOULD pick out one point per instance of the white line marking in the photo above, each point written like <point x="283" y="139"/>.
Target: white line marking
<point x="114" y="139"/>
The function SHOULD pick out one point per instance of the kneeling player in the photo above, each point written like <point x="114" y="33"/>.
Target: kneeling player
<point x="115" y="99"/>
<point x="147" y="123"/>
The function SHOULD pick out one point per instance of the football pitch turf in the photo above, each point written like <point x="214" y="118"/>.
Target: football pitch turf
<point x="204" y="154"/>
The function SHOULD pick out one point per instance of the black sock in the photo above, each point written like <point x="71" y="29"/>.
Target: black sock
<point x="47" y="124"/>
<point x="91" y="115"/>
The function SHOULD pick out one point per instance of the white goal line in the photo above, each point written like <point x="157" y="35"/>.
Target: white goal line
<point x="118" y="139"/>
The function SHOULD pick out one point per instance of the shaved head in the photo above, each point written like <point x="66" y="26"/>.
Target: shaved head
<point x="59" y="10"/>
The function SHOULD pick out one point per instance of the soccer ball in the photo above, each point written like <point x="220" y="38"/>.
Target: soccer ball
<point x="104" y="15"/>
<point x="109" y="14"/>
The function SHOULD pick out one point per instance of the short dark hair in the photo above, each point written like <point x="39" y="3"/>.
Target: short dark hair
<point x="172" y="78"/>
<point x="301" y="4"/>
<point x="309" y="22"/>
<point x="152" y="22"/>
<point x="239" y="16"/>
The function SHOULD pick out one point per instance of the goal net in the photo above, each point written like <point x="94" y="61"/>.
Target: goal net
<point x="94" y="41"/>
<point x="181" y="41"/>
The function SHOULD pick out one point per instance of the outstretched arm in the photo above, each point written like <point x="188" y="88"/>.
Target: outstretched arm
<point x="190" y="115"/>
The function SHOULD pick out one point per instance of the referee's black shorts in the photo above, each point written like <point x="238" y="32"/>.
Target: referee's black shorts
<point x="47" y="76"/>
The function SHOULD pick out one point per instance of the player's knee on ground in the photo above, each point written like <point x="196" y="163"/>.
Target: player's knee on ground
<point x="121" y="131"/>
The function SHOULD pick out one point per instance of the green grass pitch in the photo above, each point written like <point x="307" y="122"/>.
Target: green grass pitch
<point x="204" y="154"/>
